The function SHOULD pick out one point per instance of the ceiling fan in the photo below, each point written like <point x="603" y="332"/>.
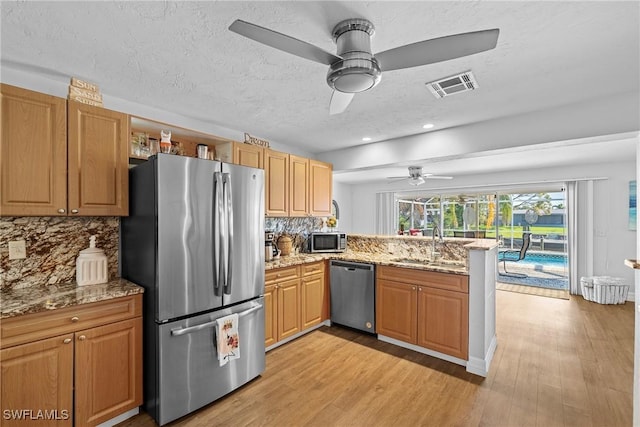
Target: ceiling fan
<point x="354" y="68"/>
<point x="416" y="177"/>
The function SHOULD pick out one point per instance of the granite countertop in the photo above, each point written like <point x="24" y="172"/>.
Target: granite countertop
<point x="444" y="266"/>
<point x="15" y="302"/>
<point x="482" y="244"/>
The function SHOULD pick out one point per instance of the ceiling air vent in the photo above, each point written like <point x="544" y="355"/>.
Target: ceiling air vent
<point x="453" y="84"/>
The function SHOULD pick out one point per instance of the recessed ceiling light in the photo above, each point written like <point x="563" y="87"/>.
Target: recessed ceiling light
<point x="428" y="126"/>
<point x="366" y="138"/>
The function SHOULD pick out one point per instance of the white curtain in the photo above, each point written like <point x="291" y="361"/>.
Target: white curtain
<point x="386" y="212"/>
<point x="580" y="232"/>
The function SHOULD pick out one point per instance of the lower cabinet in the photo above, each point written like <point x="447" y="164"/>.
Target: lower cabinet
<point x="425" y="308"/>
<point x="83" y="377"/>
<point x="295" y="299"/>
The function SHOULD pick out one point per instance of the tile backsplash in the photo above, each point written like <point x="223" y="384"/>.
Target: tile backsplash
<point x="53" y="244"/>
<point x="298" y="228"/>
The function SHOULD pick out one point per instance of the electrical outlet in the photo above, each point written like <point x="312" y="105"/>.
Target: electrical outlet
<point x="17" y="249"/>
<point x="391" y="247"/>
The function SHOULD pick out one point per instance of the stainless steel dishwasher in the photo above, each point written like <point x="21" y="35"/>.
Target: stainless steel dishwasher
<point x="353" y="295"/>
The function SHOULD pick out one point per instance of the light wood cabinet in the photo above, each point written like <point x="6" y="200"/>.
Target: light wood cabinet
<point x="425" y="308"/>
<point x="242" y="154"/>
<point x="38" y="376"/>
<point x="320" y="188"/>
<point x="443" y="321"/>
<point x="282" y="311"/>
<point x="396" y="310"/>
<point x="298" y="186"/>
<point x="33" y="153"/>
<point x="276" y="173"/>
<point x="61" y="157"/>
<point x="92" y="369"/>
<point x="314" y="294"/>
<point x="295" y="298"/>
<point x="108" y="370"/>
<point x="98" y="175"/>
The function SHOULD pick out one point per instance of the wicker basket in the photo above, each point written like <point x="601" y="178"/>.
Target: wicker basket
<point x="604" y="289"/>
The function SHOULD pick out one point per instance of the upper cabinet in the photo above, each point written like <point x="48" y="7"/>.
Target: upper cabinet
<point x="33" y="153"/>
<point x="298" y="186"/>
<point x="98" y="177"/>
<point x="320" y="187"/>
<point x="61" y="157"/>
<point x="276" y="171"/>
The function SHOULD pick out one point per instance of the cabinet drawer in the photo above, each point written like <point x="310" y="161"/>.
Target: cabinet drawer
<point x="313" y="268"/>
<point x="433" y="279"/>
<point x="31" y="327"/>
<point x="280" y="274"/>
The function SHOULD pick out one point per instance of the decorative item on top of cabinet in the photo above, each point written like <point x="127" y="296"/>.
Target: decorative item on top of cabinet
<point x="61" y="157"/>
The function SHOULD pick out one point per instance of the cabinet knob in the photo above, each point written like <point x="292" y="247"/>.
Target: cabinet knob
<point x="278" y="275"/>
<point x="82" y="337"/>
<point x="61" y="210"/>
<point x="413" y="288"/>
<point x="67" y="340"/>
<point x="74" y="211"/>
<point x="75" y="319"/>
<point x="419" y="289"/>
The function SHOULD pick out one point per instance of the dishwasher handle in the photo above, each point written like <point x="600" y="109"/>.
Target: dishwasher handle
<point x="352" y="266"/>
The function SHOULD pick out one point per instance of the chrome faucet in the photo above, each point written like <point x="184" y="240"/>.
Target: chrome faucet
<point x="436" y="231"/>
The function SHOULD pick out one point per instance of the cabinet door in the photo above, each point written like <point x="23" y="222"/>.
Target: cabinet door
<point x="276" y="171"/>
<point x="320" y="186"/>
<point x="298" y="186"/>
<point x="270" y="315"/>
<point x="98" y="177"/>
<point x="38" y="377"/>
<point x="108" y="374"/>
<point x="313" y="297"/>
<point x="443" y="321"/>
<point x="248" y="155"/>
<point x="288" y="308"/>
<point x="396" y="310"/>
<point x="33" y="153"/>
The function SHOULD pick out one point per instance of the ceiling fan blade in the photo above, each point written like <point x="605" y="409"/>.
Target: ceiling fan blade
<point x="392" y="179"/>
<point x="437" y="50"/>
<point x="283" y="42"/>
<point x="339" y="102"/>
<point x="436" y="177"/>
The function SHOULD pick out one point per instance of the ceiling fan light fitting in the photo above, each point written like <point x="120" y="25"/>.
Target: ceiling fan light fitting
<point x="416" y="180"/>
<point x="353" y="75"/>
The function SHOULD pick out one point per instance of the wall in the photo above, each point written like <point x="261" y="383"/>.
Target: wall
<point x="342" y="195"/>
<point x="53" y="244"/>
<point x="613" y="241"/>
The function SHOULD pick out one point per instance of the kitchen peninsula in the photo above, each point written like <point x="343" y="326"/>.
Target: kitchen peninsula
<point x="473" y="261"/>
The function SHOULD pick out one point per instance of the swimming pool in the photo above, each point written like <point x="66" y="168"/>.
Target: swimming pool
<point x="555" y="260"/>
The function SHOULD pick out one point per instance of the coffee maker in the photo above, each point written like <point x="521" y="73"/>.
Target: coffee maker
<point x="270" y="249"/>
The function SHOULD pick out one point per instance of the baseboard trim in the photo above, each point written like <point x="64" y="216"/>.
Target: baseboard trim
<point x="423" y="350"/>
<point x="120" y="418"/>
<point x="479" y="366"/>
<point x="298" y="335"/>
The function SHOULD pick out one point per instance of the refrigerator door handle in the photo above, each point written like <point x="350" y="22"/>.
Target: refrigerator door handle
<point x="226" y="179"/>
<point x="218" y="217"/>
<point x="182" y="331"/>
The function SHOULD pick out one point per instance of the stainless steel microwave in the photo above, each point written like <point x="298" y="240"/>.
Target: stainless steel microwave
<point x="328" y="242"/>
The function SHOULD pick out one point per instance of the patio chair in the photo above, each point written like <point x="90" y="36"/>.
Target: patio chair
<point x="514" y="256"/>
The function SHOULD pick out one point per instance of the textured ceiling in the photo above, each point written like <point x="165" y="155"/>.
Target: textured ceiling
<point x="180" y="57"/>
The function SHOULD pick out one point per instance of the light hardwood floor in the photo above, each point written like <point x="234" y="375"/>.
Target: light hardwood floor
<point x="558" y="363"/>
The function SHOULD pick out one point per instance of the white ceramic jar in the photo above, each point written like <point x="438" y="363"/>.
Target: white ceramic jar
<point x="91" y="265"/>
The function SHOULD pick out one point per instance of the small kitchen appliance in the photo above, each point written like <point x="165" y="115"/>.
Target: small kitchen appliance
<point x="327" y="242"/>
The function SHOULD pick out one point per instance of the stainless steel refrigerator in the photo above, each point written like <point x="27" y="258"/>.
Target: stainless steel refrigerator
<point x="194" y="239"/>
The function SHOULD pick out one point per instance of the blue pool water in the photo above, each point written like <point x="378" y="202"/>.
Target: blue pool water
<point x="556" y="260"/>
